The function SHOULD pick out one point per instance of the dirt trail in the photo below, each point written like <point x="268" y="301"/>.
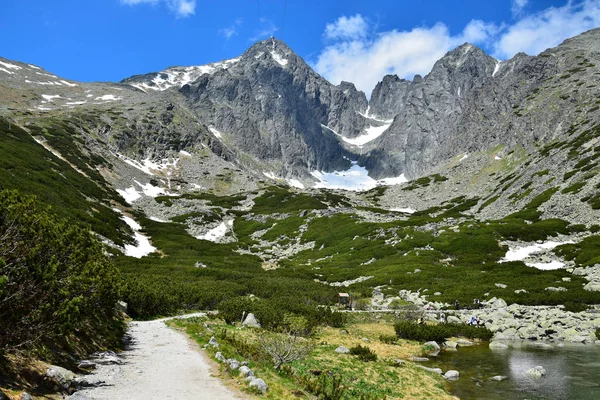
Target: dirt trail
<point x="160" y="363"/>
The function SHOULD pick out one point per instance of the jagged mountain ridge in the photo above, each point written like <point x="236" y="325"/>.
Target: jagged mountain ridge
<point x="291" y="105"/>
<point x="268" y="113"/>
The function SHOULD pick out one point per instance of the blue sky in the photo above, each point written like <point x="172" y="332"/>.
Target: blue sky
<point x="358" y="41"/>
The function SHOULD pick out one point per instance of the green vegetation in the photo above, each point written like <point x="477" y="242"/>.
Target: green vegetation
<point x="425" y="181"/>
<point x="364" y="353"/>
<point x="81" y="194"/>
<point x="325" y="373"/>
<point x="439" y="333"/>
<point x="58" y="290"/>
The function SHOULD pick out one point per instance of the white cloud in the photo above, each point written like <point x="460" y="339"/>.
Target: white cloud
<point x="404" y="53"/>
<point x="357" y="56"/>
<point x="232" y="30"/>
<point x="181" y="8"/>
<point x="518" y="6"/>
<point x="548" y="28"/>
<point x="355" y="27"/>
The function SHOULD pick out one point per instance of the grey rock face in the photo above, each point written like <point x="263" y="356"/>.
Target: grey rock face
<point x="26" y="396"/>
<point x="272" y="106"/>
<point x="213" y="342"/>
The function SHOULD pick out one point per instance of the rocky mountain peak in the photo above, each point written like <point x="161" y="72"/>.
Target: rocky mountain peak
<point x="466" y="59"/>
<point x="272" y="50"/>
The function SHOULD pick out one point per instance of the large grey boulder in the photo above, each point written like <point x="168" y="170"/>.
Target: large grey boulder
<point x="259" y="384"/>
<point x="453" y="320"/>
<point x="213" y="342"/>
<point x="497" y="346"/>
<point x="251" y="321"/>
<point x="26" y="396"/>
<point x="592" y="286"/>
<point x="233" y="364"/>
<point x="536" y="373"/>
<point x="246" y="371"/>
<point x="451" y="375"/>
<point x="342" y="350"/>
<point x="61" y="376"/>
<point x="431" y="348"/>
<point x="499" y="303"/>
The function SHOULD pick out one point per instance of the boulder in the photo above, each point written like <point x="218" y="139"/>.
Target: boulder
<point x="418" y="359"/>
<point x="592" y="287"/>
<point x="453" y="320"/>
<point x="501" y="285"/>
<point x="536" y="373"/>
<point x="450" y="344"/>
<point x="451" y="375"/>
<point x="213" y="342"/>
<point x="499" y="303"/>
<point x="219" y="356"/>
<point x="26" y="396"/>
<point x="244" y="370"/>
<point x="251" y="321"/>
<point x="233" y="364"/>
<point x="259" y="384"/>
<point x="431" y="348"/>
<point x="497" y="346"/>
<point x="86" y="364"/>
<point x="436" y="370"/>
<point x="107" y="358"/>
<point x="499" y="378"/>
<point x="61" y="376"/>
<point x="464" y="342"/>
<point x="342" y="350"/>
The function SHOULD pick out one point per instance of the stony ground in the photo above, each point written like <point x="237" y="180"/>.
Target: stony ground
<point x="160" y="363"/>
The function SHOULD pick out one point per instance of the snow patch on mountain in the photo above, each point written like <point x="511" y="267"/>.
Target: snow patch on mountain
<point x="143" y="247"/>
<point x="354" y="179"/>
<point x="108" y="97"/>
<point x="279" y="58"/>
<point x="215" y="132"/>
<point x="217" y="233"/>
<point x="521" y="253"/>
<point x="180" y="76"/>
<point x="130" y="194"/>
<point x="371" y="133"/>
<point x="50" y="97"/>
<point x="10" y="66"/>
<point x="150" y="167"/>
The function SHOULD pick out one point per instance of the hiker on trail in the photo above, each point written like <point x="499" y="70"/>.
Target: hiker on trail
<point x="456" y="304"/>
<point x="442" y="318"/>
<point x="420" y="321"/>
<point x="472" y="321"/>
<point x="478" y="321"/>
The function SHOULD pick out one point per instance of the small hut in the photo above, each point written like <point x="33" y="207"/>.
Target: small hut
<point x="344" y="300"/>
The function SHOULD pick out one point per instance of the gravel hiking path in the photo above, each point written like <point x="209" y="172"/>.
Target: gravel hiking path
<point x="159" y="363"/>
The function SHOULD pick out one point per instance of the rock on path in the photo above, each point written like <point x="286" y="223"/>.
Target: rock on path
<point x="160" y="363"/>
